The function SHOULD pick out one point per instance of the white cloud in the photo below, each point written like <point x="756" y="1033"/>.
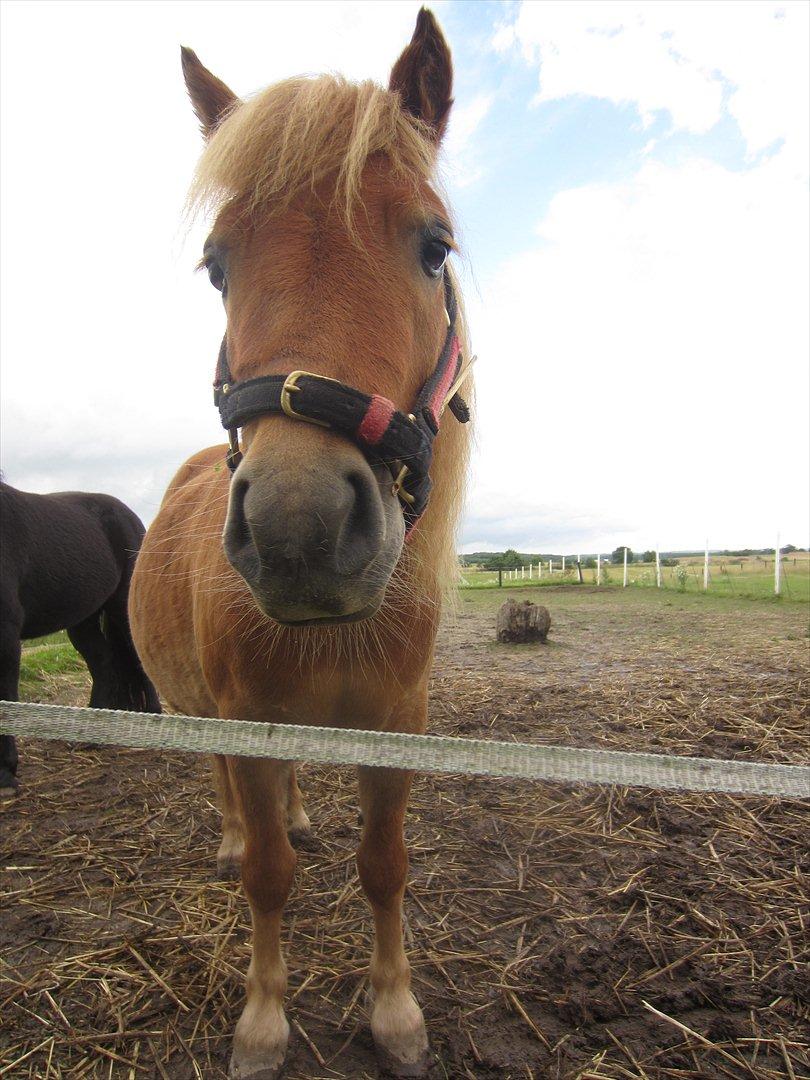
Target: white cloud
<point x="645" y="368"/>
<point x="694" y="60"/>
<point x="647" y="363"/>
<point x="462" y="158"/>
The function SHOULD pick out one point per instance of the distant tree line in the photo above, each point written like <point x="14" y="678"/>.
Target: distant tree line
<point x="786" y="549"/>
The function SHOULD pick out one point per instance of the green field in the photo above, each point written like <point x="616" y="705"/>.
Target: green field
<point x="747" y="578"/>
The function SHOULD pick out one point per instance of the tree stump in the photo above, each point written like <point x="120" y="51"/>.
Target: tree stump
<point x="523" y="623"/>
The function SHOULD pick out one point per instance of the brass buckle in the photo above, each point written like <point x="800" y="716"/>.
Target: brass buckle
<point x="291" y="386"/>
<point x="462" y="375"/>
<point x="398" y="489"/>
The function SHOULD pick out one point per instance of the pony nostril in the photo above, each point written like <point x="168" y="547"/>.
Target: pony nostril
<point x="237" y="521"/>
<point x="237" y="539"/>
<point x="365" y="493"/>
<point x="362" y="528"/>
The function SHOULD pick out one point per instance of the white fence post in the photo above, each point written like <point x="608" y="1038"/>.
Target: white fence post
<point x="563" y="564"/>
<point x="777" y="570"/>
<point x="539" y="569"/>
<point x="550" y="568"/>
<point x="657" y="567"/>
<point x="706" y="567"/>
<point x="598" y="569"/>
<point x="624" y="582"/>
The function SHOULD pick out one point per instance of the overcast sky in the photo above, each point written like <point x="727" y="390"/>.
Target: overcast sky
<point x="631" y="186"/>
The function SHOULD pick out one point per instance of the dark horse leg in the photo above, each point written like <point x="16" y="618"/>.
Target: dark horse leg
<point x="9" y="688"/>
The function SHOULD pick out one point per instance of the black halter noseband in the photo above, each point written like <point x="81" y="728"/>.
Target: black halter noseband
<point x="402" y="442"/>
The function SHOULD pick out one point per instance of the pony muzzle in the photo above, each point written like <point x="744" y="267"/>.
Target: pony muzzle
<point x="315" y="543"/>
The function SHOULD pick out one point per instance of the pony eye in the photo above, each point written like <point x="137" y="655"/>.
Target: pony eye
<point x="434" y="256"/>
<point x="216" y="275"/>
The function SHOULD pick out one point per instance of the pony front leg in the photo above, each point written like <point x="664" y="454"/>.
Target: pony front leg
<point x="232" y="845"/>
<point x="397" y="1023"/>
<point x="268" y="864"/>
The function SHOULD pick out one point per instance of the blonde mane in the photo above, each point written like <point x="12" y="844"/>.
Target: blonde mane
<point x="283" y="143"/>
<point x="294" y="134"/>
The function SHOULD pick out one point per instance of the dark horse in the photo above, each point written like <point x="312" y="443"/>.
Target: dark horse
<point x="65" y="563"/>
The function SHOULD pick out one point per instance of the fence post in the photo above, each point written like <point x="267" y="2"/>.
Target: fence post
<point x="624" y="581"/>
<point x="706" y="567"/>
<point x="549" y="566"/>
<point x="500" y="578"/>
<point x="657" y="567"/>
<point x="777" y="570"/>
<point x="563" y="564"/>
<point x="579" y="570"/>
<point x="598" y="569"/>
<point x="540" y="569"/>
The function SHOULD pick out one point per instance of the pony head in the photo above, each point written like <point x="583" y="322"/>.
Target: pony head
<point x="328" y="248"/>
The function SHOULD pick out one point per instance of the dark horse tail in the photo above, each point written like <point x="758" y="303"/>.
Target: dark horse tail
<point x="125" y="685"/>
<point x="128" y="687"/>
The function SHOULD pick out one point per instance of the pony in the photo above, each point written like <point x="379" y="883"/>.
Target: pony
<point x="66" y="561"/>
<point x="299" y="577"/>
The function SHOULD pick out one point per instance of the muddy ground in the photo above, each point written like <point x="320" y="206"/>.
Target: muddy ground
<point x="555" y="931"/>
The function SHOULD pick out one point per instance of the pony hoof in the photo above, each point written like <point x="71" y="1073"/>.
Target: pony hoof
<point x="255" y="1067"/>
<point x="393" y="1066"/>
<point x="229" y="869"/>
<point x="237" y="1072"/>
<point x="302" y="839"/>
<point x="400" y="1038"/>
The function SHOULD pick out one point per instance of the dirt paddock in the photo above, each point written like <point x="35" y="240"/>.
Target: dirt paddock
<point x="555" y="931"/>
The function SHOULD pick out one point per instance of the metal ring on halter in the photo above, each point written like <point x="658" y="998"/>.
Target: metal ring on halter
<point x="462" y="377"/>
<point x="234" y="455"/>
<point x="398" y="489"/>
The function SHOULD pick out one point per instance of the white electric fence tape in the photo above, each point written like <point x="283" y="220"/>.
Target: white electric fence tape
<point x="425" y="753"/>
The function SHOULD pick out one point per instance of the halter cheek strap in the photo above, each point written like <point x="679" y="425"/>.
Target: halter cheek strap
<point x="404" y="443"/>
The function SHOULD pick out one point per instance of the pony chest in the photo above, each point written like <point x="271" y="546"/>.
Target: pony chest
<point x="306" y="690"/>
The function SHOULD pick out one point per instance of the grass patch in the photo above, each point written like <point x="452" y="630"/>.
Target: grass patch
<point x="38" y="667"/>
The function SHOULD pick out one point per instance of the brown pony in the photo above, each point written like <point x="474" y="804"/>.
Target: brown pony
<point x="288" y="593"/>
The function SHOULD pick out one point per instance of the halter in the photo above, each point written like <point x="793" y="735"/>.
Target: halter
<point x="404" y="443"/>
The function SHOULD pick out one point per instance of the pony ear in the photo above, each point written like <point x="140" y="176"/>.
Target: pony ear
<point x="211" y="98"/>
<point x="423" y="75"/>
